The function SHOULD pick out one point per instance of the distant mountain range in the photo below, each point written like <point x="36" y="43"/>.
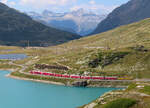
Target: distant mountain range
<point x="17" y="28"/>
<point x="133" y="11"/>
<point x="79" y="21"/>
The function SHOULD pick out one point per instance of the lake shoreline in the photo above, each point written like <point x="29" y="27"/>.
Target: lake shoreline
<point x="62" y="84"/>
<point x="103" y="85"/>
<point x="34" y="80"/>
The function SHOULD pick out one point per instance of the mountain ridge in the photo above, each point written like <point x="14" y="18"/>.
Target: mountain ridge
<point x="17" y="28"/>
<point x="132" y="11"/>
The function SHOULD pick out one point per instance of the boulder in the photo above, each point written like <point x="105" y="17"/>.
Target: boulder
<point x="80" y="83"/>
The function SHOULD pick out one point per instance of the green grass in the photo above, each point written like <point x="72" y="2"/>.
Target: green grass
<point x="131" y="86"/>
<point x="7" y="66"/>
<point x="120" y="103"/>
<point x="4" y="61"/>
<point x="145" y="90"/>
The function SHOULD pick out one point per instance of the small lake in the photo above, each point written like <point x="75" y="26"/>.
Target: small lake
<point x="25" y="94"/>
<point x="13" y="56"/>
<point x="6" y="50"/>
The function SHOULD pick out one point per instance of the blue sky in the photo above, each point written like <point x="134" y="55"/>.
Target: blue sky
<point x="98" y="6"/>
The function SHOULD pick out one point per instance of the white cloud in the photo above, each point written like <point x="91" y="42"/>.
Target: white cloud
<point x="59" y="5"/>
<point x="45" y="3"/>
<point x="4" y="1"/>
<point x="11" y="3"/>
<point x="92" y="6"/>
<point x="92" y="2"/>
<point x="96" y="8"/>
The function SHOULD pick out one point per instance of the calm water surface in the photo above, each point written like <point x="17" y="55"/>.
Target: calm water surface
<point x="26" y="94"/>
<point x="13" y="56"/>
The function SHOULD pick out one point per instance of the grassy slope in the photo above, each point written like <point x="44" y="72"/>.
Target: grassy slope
<point x="77" y="54"/>
<point x="122" y="37"/>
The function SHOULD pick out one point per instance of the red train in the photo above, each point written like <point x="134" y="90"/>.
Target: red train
<point x="73" y="76"/>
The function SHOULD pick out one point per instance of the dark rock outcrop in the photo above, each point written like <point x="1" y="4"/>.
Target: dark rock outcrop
<point x="44" y="66"/>
<point x="80" y="83"/>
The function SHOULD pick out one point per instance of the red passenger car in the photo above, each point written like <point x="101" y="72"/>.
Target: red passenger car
<point x="66" y="76"/>
<point x="73" y="76"/>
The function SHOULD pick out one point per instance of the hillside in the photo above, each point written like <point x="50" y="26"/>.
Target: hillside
<point x="122" y="52"/>
<point x="126" y="50"/>
<point x="80" y="21"/>
<point x="17" y="28"/>
<point x="133" y="11"/>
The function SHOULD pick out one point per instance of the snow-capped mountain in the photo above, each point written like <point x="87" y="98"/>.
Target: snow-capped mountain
<point x="79" y="21"/>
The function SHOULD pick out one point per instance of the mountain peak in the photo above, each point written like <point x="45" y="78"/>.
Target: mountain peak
<point x="47" y="13"/>
<point x="81" y="11"/>
<point x="80" y="21"/>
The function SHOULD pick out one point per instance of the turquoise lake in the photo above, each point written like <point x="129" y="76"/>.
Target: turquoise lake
<point x="26" y="94"/>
